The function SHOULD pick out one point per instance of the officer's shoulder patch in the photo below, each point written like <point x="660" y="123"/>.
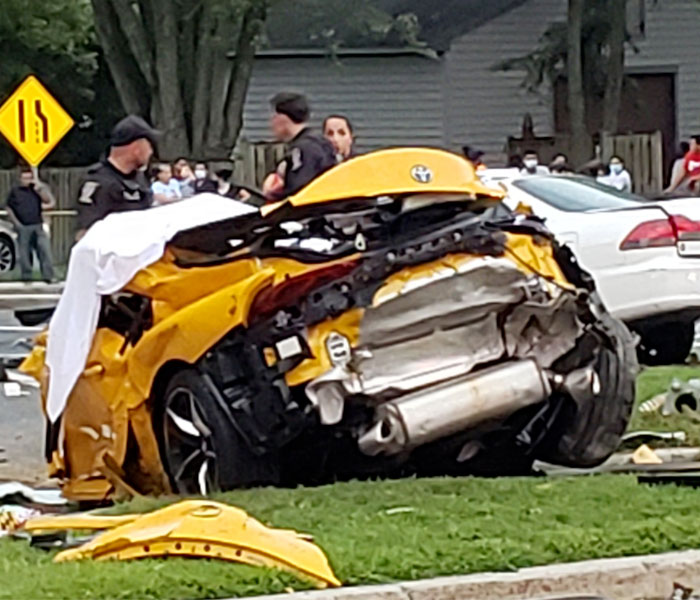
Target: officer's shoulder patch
<point x="87" y="192"/>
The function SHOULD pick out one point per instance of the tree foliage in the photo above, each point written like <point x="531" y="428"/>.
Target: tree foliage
<point x="335" y="24"/>
<point x="55" y="41"/>
<point x="602" y="42"/>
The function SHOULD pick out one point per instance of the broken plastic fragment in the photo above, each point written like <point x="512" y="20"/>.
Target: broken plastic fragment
<point x="196" y="528"/>
<point x="645" y="456"/>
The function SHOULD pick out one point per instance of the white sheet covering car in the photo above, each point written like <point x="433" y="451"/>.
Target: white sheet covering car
<point x="644" y="255"/>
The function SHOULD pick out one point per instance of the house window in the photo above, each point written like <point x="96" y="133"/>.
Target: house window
<point x="636" y="18"/>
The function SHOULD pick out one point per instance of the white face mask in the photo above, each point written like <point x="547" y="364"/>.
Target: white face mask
<point x="530" y="163"/>
<point x="616" y="168"/>
<point x="200" y="173"/>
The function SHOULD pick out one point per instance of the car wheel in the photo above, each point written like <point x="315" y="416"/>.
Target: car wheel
<point x="595" y="410"/>
<point x="7" y="254"/>
<point x="200" y="447"/>
<point x="666" y="344"/>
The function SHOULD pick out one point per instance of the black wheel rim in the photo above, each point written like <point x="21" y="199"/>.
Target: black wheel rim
<point x="5" y="257"/>
<point x="189" y="447"/>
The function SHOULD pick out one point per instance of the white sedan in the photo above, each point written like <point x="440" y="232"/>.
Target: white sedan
<point x="644" y="256"/>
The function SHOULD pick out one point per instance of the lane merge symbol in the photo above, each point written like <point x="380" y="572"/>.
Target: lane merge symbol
<point x="33" y="121"/>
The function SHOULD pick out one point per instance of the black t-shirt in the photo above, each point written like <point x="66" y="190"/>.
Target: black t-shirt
<point x="309" y="156"/>
<point x="107" y="190"/>
<point x="25" y="203"/>
<point x="205" y="185"/>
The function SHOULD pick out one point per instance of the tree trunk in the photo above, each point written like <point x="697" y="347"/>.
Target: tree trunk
<point x="171" y="113"/>
<point x="616" y="65"/>
<point x="187" y="57"/>
<point x="243" y="69"/>
<point x="124" y="71"/>
<point x="580" y="142"/>
<point x="135" y="33"/>
<point x="202" y="83"/>
<point x="170" y="58"/>
<point x="221" y="65"/>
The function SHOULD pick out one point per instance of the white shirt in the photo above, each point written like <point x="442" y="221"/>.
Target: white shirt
<point x="170" y="190"/>
<point x="621" y="181"/>
<point x="539" y="170"/>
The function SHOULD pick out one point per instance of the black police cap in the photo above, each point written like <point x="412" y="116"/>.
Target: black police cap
<point x="133" y="128"/>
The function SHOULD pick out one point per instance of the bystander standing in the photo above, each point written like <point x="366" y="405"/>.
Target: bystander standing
<point x="559" y="159"/>
<point x="203" y="180"/>
<point x="165" y="188"/>
<point x="532" y="166"/>
<point x="25" y="205"/>
<point x="617" y="176"/>
<point x="475" y="157"/>
<point x="338" y="130"/>
<point x="689" y="172"/>
<point x="182" y="172"/>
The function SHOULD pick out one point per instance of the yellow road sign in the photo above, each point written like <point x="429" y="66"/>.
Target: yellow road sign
<point x="33" y="121"/>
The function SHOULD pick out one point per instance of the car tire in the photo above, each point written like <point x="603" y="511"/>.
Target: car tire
<point x="591" y="423"/>
<point x="201" y="449"/>
<point x="7" y="254"/>
<point x="666" y="344"/>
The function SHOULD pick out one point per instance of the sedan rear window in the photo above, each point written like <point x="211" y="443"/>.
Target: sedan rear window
<point x="576" y="194"/>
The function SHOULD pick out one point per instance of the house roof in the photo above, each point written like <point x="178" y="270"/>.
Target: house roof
<point x="371" y="24"/>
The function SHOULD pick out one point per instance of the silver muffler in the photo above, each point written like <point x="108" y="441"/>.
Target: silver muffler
<point x="454" y="406"/>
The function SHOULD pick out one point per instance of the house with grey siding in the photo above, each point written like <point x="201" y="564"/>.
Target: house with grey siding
<point x="448" y="94"/>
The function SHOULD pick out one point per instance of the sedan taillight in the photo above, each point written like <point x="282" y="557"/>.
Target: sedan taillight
<point x="660" y="233"/>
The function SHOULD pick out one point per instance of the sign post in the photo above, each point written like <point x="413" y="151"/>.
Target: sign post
<point x="33" y="121"/>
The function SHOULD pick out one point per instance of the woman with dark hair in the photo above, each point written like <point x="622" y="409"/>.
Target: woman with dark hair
<point x="337" y="129"/>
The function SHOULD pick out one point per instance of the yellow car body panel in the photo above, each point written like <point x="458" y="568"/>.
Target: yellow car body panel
<point x="196" y="528"/>
<point x="78" y="521"/>
<point x="397" y="171"/>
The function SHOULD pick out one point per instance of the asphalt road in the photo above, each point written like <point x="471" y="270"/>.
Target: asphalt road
<point x="21" y="421"/>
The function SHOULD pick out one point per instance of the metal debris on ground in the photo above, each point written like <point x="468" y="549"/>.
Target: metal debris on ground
<point x="682" y="397"/>
<point x="649" y="436"/>
<point x="194" y="528"/>
<point x="20" y="494"/>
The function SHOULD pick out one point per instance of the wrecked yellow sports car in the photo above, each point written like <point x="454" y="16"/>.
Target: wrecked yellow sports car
<point x="393" y="317"/>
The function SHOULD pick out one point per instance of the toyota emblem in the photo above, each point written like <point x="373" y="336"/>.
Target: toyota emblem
<point x="422" y="174"/>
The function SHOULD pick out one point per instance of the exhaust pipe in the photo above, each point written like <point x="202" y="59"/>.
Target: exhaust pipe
<point x="454" y="406"/>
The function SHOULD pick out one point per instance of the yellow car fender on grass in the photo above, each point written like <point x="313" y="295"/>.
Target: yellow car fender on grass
<point x="194" y="528"/>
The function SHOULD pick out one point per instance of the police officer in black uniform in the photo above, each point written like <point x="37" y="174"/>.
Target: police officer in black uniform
<point x="117" y="184"/>
<point x="308" y="154"/>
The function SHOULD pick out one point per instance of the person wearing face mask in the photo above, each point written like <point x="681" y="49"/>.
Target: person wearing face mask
<point x="617" y="177"/>
<point x="203" y="182"/>
<point x="338" y="130"/>
<point x="532" y="166"/>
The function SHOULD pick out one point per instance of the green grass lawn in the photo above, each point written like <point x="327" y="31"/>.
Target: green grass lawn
<point x="453" y="526"/>
<point x="447" y="526"/>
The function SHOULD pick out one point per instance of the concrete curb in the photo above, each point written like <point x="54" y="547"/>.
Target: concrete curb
<point x="632" y="578"/>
